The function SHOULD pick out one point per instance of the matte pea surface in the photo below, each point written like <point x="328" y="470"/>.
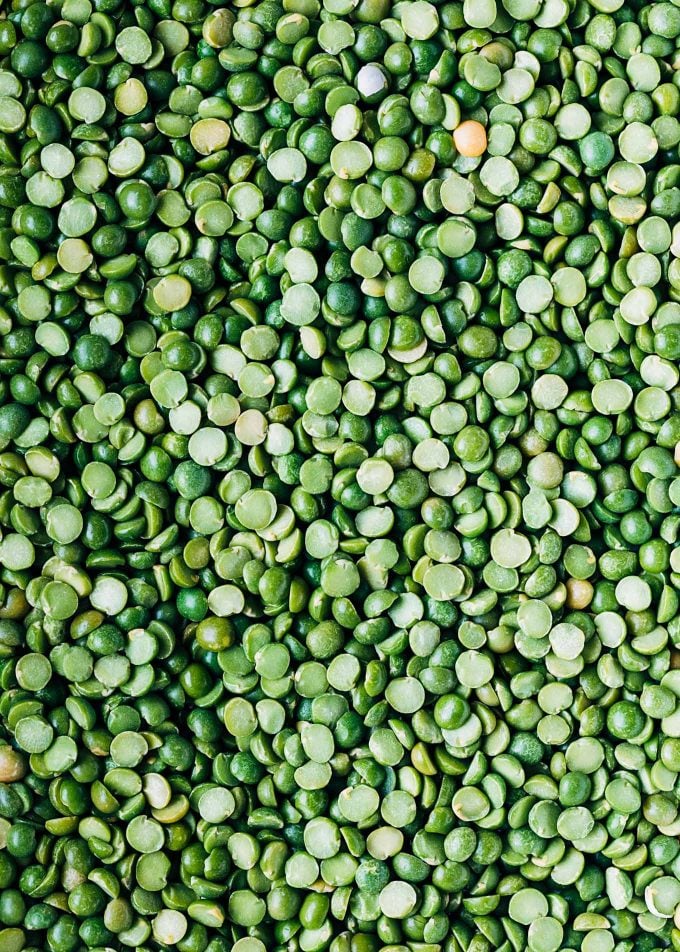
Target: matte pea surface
<point x="339" y="476"/>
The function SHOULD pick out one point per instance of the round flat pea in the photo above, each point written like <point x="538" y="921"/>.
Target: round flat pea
<point x="510" y="549"/>
<point x="133" y="45"/>
<point x="456" y="237"/>
<point x="398" y="900"/>
<point x="358" y="803"/>
<point x="443" y="582"/>
<point x="527" y="905"/>
<point x="474" y="669"/>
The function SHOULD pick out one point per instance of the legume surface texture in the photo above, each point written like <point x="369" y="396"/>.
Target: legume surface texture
<point x="339" y="485"/>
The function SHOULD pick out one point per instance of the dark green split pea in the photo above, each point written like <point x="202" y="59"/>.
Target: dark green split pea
<point x="339" y="486"/>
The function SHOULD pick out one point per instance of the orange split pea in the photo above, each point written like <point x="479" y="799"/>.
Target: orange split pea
<point x="470" y="138"/>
